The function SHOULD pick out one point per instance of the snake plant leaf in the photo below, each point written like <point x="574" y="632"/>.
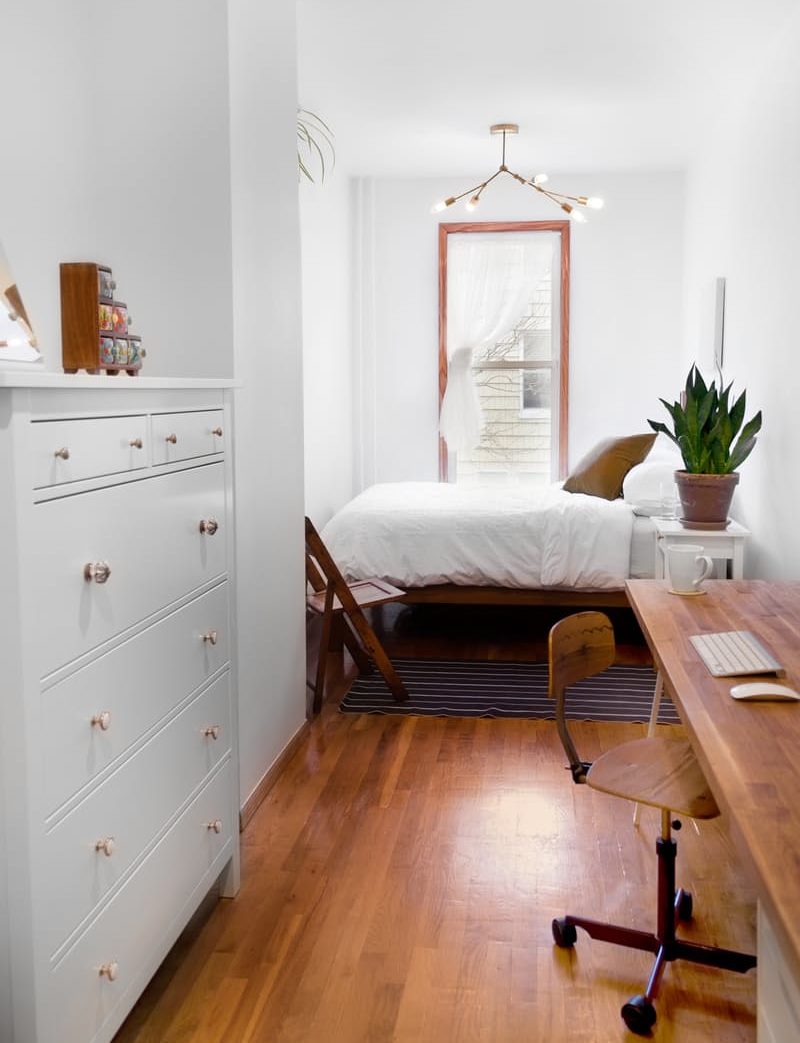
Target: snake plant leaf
<point x="737" y="414"/>
<point x="746" y="442"/>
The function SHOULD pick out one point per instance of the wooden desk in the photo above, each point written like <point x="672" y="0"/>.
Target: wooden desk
<point x="750" y="752"/>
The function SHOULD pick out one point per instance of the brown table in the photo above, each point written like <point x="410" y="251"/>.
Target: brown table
<point x="749" y="751"/>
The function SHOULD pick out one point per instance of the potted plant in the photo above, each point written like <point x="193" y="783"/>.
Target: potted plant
<point x="704" y="429"/>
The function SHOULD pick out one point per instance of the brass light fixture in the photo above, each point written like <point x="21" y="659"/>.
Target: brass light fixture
<point x="572" y="205"/>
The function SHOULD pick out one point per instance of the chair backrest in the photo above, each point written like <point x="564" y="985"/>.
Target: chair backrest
<point x="579" y="646"/>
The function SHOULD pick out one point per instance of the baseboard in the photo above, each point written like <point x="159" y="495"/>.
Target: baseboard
<point x="270" y="777"/>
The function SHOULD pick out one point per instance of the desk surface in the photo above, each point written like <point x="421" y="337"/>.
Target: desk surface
<point x="750" y="752"/>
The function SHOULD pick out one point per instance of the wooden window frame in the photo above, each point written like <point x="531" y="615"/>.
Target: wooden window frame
<point x="562" y="228"/>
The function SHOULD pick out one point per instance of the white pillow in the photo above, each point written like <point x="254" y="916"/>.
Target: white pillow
<point x="650" y="480"/>
<point x="664" y="449"/>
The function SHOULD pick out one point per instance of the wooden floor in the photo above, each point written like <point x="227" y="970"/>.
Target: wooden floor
<point x="400" y="879"/>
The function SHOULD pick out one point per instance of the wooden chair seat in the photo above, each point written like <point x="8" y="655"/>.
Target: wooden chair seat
<point x="367" y="592"/>
<point x="663" y="773"/>
<point x="342" y="603"/>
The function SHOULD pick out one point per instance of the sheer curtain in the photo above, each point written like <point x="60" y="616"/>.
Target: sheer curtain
<point x="490" y="280"/>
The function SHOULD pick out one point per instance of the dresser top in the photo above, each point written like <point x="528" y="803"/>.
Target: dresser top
<point x="39" y="379"/>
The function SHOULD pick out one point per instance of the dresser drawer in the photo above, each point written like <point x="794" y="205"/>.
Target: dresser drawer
<point x="127" y="810"/>
<point x="182" y="436"/>
<point x="72" y="450"/>
<point x="132" y="930"/>
<point x="150" y="533"/>
<point x="136" y="684"/>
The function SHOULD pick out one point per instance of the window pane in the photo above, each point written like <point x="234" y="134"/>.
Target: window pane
<point x="517" y="437"/>
<point x="536" y="389"/>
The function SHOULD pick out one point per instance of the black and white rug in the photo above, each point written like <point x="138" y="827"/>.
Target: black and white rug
<point x="439" y="688"/>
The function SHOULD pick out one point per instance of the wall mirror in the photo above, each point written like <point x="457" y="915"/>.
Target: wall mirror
<point x="17" y="339"/>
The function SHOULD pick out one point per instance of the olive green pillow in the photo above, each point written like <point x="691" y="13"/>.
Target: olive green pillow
<point x="601" y="471"/>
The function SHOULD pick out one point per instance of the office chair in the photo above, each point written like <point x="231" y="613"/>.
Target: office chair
<point x="661" y="772"/>
<point x="341" y="606"/>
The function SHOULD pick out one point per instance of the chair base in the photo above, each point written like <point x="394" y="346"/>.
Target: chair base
<point x="639" y="1013"/>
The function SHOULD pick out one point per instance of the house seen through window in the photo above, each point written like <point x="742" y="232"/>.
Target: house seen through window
<point x="514" y="379"/>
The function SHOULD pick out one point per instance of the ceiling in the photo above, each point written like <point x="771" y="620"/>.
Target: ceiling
<point x="410" y="87"/>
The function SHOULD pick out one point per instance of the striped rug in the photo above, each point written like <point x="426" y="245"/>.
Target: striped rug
<point x="441" y="688"/>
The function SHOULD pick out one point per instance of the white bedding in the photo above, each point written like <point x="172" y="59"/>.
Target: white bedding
<point x="417" y="534"/>
<point x="643" y="548"/>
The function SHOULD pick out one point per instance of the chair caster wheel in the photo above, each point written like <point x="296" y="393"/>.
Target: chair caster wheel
<point x="685" y="907"/>
<point x="639" y="1015"/>
<point x="564" y="934"/>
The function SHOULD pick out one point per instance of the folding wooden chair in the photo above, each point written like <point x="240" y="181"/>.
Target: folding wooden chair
<point x="341" y="606"/>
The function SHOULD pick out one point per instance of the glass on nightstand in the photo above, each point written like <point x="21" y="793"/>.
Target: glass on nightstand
<point x="668" y="500"/>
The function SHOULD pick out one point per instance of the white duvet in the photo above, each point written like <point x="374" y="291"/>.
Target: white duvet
<point x="416" y="534"/>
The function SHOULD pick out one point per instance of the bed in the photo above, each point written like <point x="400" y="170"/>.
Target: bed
<point x="493" y="545"/>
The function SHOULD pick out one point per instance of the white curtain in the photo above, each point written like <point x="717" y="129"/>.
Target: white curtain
<point x="490" y="281"/>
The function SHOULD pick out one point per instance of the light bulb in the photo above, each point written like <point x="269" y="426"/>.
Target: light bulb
<point x="473" y="202"/>
<point x="595" y="202"/>
<point x="540" y="179"/>
<point x="438" y="207"/>
<point x="577" y="216"/>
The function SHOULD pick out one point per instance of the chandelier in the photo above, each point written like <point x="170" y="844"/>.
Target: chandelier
<point x="572" y="205"/>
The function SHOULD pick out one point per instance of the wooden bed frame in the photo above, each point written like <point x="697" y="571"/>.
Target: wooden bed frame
<point x="453" y="594"/>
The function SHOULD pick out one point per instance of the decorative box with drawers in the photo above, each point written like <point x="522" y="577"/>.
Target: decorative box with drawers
<point x="119" y="786"/>
<point x="95" y="328"/>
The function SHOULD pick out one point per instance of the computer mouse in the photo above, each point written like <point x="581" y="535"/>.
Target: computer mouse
<point x="765" y="691"/>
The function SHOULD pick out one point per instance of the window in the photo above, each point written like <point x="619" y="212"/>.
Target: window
<point x="520" y="377"/>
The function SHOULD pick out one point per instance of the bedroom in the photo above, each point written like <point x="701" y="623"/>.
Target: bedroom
<point x="183" y="178"/>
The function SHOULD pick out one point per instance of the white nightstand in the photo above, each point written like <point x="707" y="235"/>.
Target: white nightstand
<point x="723" y="545"/>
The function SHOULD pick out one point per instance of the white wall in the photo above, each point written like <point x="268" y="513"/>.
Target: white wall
<point x="626" y="308"/>
<point x="122" y="131"/>
<point x="743" y="222"/>
<point x="269" y="406"/>
<point x="328" y="366"/>
<point x="115" y="127"/>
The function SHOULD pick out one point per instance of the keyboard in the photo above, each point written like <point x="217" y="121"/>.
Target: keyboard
<point x="735" y="652"/>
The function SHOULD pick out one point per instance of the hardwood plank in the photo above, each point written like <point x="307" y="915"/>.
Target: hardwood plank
<point x="399" y="880"/>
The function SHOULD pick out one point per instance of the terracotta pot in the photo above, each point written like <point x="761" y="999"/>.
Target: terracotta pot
<point x="705" y="499"/>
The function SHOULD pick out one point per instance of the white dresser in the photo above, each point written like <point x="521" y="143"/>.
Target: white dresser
<point x="118" y="767"/>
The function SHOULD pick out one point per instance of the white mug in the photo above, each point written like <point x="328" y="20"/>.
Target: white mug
<point x="687" y="567"/>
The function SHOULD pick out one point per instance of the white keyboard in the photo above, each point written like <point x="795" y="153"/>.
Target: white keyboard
<point x="735" y="652"/>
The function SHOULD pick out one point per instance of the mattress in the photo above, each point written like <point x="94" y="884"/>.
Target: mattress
<point x="417" y="534"/>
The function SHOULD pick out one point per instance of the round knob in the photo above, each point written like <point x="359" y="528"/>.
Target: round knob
<point x="135" y="443"/>
<point x="172" y="439"/>
<point x="112" y="283"/>
<point x="99" y="571"/>
<point x="210" y="637"/>
<point x="208" y="526"/>
<point x="102" y="720"/>
<point x="215" y="826"/>
<point x="109" y="970"/>
<point x="216" y="431"/>
<point x="106" y="845"/>
<point x="62" y="454"/>
<point x="212" y="732"/>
